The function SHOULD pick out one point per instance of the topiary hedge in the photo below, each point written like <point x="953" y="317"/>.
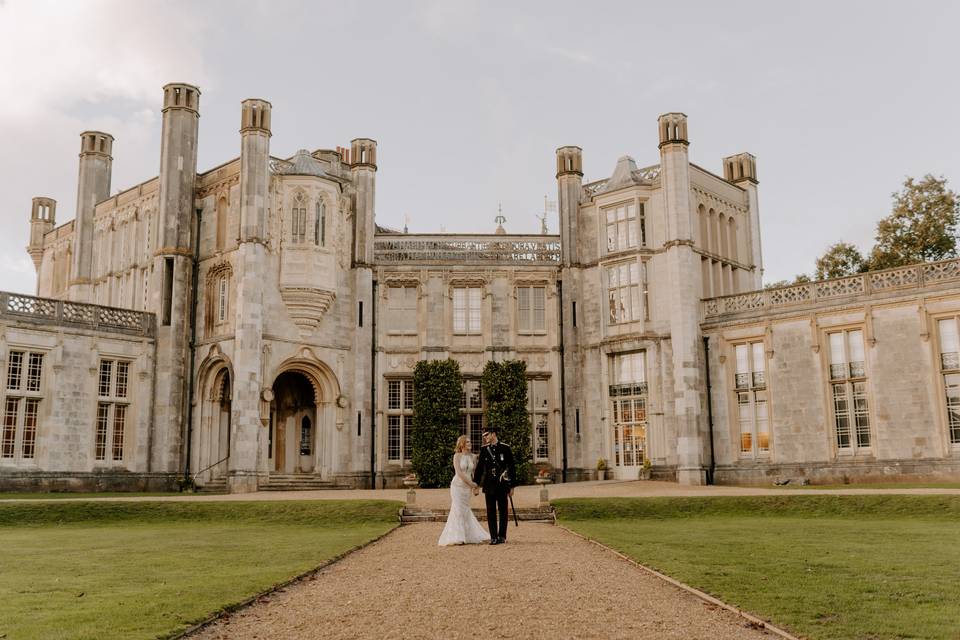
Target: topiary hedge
<point x="504" y="387"/>
<point x="437" y="386"/>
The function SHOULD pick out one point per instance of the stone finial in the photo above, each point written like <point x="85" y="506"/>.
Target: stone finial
<point x="44" y="209"/>
<point x="96" y="143"/>
<point x="255" y="115"/>
<point x="673" y="129"/>
<point x="363" y="152"/>
<point x="740" y="167"/>
<point x="179" y="95"/>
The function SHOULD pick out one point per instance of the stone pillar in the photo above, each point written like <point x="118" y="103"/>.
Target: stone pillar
<point x="170" y="289"/>
<point x="683" y="272"/>
<point x="93" y="186"/>
<point x="250" y="402"/>
<point x="363" y="158"/>
<point x="741" y="170"/>
<point x="569" y="184"/>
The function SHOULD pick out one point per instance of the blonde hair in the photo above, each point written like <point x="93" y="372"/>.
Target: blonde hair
<point x="461" y="445"/>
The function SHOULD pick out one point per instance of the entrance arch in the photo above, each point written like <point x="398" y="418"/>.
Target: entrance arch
<point x="212" y="431"/>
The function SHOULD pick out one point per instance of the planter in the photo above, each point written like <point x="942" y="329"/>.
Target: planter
<point x="601" y="474"/>
<point x="543" y="480"/>
<point x="410" y="483"/>
<point x="645" y="474"/>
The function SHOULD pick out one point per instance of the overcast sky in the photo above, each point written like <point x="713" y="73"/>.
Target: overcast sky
<point x="839" y="101"/>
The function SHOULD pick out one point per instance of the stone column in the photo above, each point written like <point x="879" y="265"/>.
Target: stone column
<point x="741" y="170"/>
<point x="93" y="186"/>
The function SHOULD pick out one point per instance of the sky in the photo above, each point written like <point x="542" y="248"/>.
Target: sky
<point x="839" y="101"/>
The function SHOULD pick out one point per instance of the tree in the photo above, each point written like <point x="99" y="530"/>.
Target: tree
<point x="922" y="226"/>
<point x="504" y="387"/>
<point x="839" y="260"/>
<point x="800" y="278"/>
<point x="437" y="386"/>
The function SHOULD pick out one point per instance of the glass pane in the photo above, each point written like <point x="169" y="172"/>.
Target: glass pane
<point x="393" y="394"/>
<point x="841" y="415"/>
<point x="758" y="358"/>
<point x="952" y="388"/>
<point x="29" y="441"/>
<point x="106" y="369"/>
<point x="836" y="348"/>
<point x="949" y="339"/>
<point x="14" y="369"/>
<point x="11" y="409"/>
<point x="855" y="344"/>
<point x="743" y="361"/>
<point x="523" y="308"/>
<point x="34" y="367"/>
<point x="393" y="438"/>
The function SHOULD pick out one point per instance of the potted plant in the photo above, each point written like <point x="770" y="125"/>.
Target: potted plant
<point x="601" y="469"/>
<point x="645" y="471"/>
<point x="410" y="480"/>
<point x="544" y="476"/>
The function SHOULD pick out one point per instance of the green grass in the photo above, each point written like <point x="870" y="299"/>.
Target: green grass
<point x="876" y="485"/>
<point x="66" y="495"/>
<point x="825" y="567"/>
<point x="73" y="569"/>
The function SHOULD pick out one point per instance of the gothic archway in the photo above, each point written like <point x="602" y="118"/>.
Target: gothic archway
<point x="212" y="419"/>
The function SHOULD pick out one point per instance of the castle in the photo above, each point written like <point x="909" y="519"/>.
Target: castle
<point x="252" y="327"/>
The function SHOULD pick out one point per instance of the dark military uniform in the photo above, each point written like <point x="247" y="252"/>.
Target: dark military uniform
<point x="496" y="473"/>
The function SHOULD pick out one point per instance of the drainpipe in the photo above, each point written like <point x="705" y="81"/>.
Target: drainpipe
<point x="706" y="357"/>
<point x="373" y="387"/>
<point x="193" y="342"/>
<point x="563" y="385"/>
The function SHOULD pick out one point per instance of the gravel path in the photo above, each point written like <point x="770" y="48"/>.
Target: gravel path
<point x="544" y="583"/>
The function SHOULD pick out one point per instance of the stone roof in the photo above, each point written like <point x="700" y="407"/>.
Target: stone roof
<point x="303" y="164"/>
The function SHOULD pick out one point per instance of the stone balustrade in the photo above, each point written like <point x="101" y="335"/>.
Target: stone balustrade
<point x="467" y="249"/>
<point x="15" y="306"/>
<point x="912" y="277"/>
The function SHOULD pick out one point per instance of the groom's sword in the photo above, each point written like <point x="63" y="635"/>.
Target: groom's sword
<point x="505" y="478"/>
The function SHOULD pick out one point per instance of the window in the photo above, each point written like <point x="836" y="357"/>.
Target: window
<point x="298" y="217"/>
<point x="950" y="369"/>
<point x="320" y="225"/>
<point x="399" y="420"/>
<point x="537" y="404"/>
<point x="750" y="387"/>
<point x="221" y="223"/>
<point x="628" y="399"/>
<point x="222" y="298"/>
<point x="22" y="405"/>
<point x="531" y="304"/>
<point x="306" y="436"/>
<point x="466" y="310"/>
<point x="848" y="389"/>
<point x="623" y="291"/>
<point x="471" y="413"/>
<point x="402" y="309"/>
<point x="112" y="388"/>
<point x="625" y="228"/>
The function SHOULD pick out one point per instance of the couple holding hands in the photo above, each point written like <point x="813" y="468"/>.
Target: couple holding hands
<point x="494" y="470"/>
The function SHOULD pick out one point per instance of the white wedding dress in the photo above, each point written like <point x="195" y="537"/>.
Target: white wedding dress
<point x="462" y="526"/>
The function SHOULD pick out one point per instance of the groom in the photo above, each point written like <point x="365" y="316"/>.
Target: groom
<point x="496" y="473"/>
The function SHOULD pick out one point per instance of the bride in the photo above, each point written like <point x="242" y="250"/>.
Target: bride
<point x="462" y="526"/>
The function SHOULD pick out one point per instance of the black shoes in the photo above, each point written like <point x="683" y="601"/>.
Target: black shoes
<point x="495" y="541"/>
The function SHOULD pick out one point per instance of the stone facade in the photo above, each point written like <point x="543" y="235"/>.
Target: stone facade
<point x="284" y="326"/>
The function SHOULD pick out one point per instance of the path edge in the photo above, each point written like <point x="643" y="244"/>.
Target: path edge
<point x="243" y="604"/>
<point x="702" y="595"/>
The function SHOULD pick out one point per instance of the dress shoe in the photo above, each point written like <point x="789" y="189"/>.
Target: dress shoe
<point x="495" y="541"/>
<point x="501" y="541"/>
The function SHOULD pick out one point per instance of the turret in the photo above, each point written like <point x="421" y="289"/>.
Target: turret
<point x="363" y="156"/>
<point x="250" y="412"/>
<point x="93" y="185"/>
<point x="42" y="221"/>
<point x="569" y="184"/>
<point x="741" y="170"/>
<point x="173" y="266"/>
<point x="683" y="305"/>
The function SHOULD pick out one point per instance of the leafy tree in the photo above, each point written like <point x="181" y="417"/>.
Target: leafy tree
<point x="799" y="279"/>
<point x="922" y="226"/>
<point x="437" y="386"/>
<point x="504" y="387"/>
<point x="839" y="260"/>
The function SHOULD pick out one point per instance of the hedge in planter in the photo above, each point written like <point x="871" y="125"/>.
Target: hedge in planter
<point x="504" y="387"/>
<point x="437" y="386"/>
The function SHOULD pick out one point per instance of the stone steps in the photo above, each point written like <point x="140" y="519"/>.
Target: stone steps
<point x="296" y="482"/>
<point x="214" y="486"/>
<point x="410" y="515"/>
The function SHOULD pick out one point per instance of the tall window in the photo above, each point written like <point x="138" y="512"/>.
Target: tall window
<point x="112" y="389"/>
<point x="298" y="217"/>
<point x="222" y="298"/>
<point x="752" y="408"/>
<point x="320" y="224"/>
<point x="537" y="403"/>
<point x="531" y="305"/>
<point x="471" y="413"/>
<point x="466" y="310"/>
<point x="628" y="399"/>
<point x="22" y="405"/>
<point x="848" y="386"/>
<point x="625" y="228"/>
<point x="950" y="369"/>
<point x="399" y="420"/>
<point x="402" y="309"/>
<point x="623" y="292"/>
<point x="221" y="223"/>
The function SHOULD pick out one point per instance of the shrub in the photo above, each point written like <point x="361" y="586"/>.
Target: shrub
<point x="504" y="387"/>
<point x="437" y="386"/>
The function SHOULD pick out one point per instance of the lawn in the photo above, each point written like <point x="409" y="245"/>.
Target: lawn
<point x="825" y="567"/>
<point x="67" y="495"/>
<point x="75" y="569"/>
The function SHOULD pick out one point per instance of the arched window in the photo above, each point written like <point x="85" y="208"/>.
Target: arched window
<point x="722" y="225"/>
<point x="222" y="298"/>
<point x="320" y="224"/>
<point x="702" y="216"/>
<point x="712" y="223"/>
<point x="732" y="237"/>
<point x="306" y="439"/>
<point x="221" y="223"/>
<point x="298" y="227"/>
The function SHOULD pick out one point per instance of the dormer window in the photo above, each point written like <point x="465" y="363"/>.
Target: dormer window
<point x="625" y="227"/>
